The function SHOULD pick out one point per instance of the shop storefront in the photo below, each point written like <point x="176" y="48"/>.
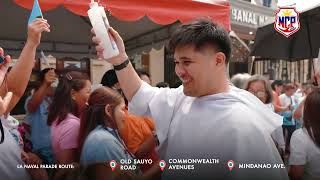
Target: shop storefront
<point x="297" y="71"/>
<point x="245" y="19"/>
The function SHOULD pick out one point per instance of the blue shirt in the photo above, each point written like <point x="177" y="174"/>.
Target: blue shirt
<point x="40" y="132"/>
<point x="287" y="119"/>
<point x="103" y="145"/>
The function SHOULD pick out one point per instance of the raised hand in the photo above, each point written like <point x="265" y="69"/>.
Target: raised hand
<point x="120" y="44"/>
<point x="35" y="29"/>
<point x="50" y="77"/>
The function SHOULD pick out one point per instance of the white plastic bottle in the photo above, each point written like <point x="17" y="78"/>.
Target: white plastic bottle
<point x="100" y="24"/>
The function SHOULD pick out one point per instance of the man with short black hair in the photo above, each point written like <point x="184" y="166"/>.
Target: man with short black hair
<point x="109" y="79"/>
<point x="206" y="117"/>
<point x="144" y="76"/>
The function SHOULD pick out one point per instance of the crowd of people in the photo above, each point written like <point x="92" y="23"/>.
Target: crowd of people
<point x="296" y="140"/>
<point x="207" y="117"/>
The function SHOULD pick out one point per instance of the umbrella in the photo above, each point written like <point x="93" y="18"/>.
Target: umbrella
<point x="304" y="44"/>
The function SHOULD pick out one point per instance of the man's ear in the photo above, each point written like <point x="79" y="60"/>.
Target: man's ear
<point x="220" y="59"/>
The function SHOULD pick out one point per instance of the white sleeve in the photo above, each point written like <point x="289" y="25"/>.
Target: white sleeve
<point x="159" y="103"/>
<point x="277" y="136"/>
<point x="298" y="154"/>
<point x="282" y="101"/>
<point x="248" y="143"/>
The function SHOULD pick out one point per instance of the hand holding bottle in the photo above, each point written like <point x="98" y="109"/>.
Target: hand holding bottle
<point x="100" y="24"/>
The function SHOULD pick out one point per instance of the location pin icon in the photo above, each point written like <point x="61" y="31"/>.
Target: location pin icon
<point x="162" y="165"/>
<point x="230" y="165"/>
<point x="113" y="165"/>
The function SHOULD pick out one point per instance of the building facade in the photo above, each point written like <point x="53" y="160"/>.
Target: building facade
<point x="246" y="17"/>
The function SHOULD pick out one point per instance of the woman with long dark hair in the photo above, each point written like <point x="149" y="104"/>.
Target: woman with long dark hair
<point x="67" y="105"/>
<point x="304" y="159"/>
<point x="99" y="138"/>
<point x="138" y="132"/>
<point x="104" y="108"/>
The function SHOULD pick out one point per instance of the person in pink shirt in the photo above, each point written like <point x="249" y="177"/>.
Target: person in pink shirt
<point x="68" y="102"/>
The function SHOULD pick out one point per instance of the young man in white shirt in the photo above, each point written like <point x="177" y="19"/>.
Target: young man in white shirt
<point x="287" y="100"/>
<point x="206" y="117"/>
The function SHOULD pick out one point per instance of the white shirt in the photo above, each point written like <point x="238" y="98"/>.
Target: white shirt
<point x="270" y="106"/>
<point x="297" y="95"/>
<point x="305" y="152"/>
<point x="228" y="126"/>
<point x="10" y="157"/>
<point x="286" y="101"/>
<point x="277" y="134"/>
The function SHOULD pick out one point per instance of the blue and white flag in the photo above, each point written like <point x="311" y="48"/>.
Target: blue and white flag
<point x="36" y="12"/>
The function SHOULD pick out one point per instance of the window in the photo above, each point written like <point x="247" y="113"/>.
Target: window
<point x="267" y="3"/>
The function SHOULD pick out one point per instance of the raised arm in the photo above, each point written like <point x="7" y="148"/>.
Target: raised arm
<point x="18" y="77"/>
<point x="128" y="78"/>
<point x="4" y="103"/>
<point x="277" y="106"/>
<point x="299" y="111"/>
<point x="40" y="93"/>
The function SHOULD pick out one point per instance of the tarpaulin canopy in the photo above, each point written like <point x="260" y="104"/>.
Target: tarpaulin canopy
<point x="159" y="11"/>
<point x="70" y="33"/>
